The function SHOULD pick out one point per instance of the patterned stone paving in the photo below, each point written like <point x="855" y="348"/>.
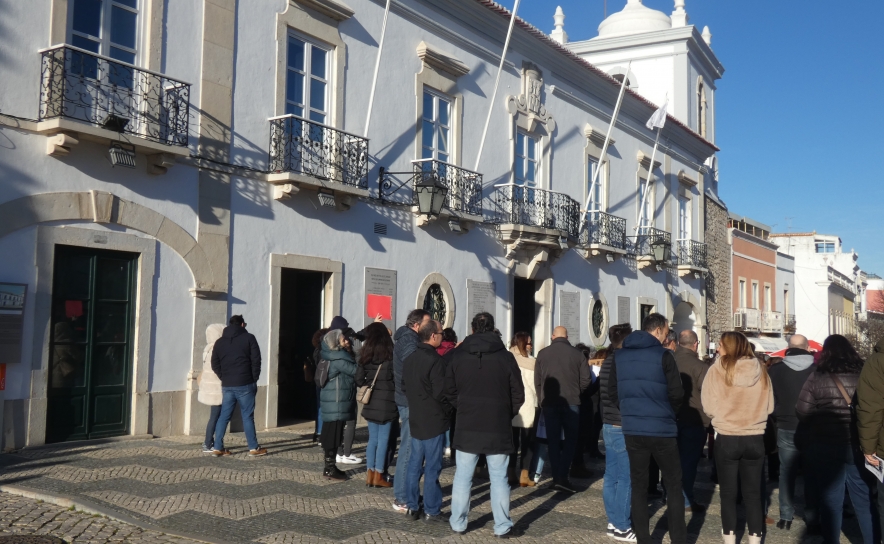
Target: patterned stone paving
<point x="168" y="484"/>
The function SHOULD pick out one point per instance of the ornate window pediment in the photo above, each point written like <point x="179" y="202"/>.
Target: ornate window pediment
<point x="530" y="102"/>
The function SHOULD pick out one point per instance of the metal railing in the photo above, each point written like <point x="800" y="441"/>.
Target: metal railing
<point x="604" y="229"/>
<point x="640" y="245"/>
<point x="691" y="253"/>
<point x="84" y="86"/>
<point x="537" y="208"/>
<point x="789" y="322"/>
<point x="842" y="280"/>
<point x="464" y="186"/>
<point x="320" y="151"/>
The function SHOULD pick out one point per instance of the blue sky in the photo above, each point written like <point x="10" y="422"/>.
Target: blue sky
<point x="799" y="111"/>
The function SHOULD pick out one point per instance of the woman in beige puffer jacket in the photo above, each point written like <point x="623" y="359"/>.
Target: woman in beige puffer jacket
<point x="737" y="395"/>
<point x="210" y="385"/>
<point x="523" y="424"/>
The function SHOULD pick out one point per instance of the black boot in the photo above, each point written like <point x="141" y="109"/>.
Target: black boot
<point x="331" y="471"/>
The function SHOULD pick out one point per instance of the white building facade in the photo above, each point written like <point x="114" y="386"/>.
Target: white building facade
<point x="257" y="191"/>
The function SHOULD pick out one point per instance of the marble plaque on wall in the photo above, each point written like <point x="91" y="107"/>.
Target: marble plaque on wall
<point x="481" y="297"/>
<point x="380" y="296"/>
<point x="569" y="314"/>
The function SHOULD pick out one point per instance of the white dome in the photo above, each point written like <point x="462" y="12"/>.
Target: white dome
<point x="634" y="19"/>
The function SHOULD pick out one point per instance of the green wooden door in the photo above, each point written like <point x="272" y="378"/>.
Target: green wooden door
<point x="90" y="346"/>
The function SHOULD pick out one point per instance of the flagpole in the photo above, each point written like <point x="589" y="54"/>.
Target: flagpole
<point x="641" y="209"/>
<point x="506" y="45"/>
<point x="377" y="66"/>
<point x="604" y="152"/>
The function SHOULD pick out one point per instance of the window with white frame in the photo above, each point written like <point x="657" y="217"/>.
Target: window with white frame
<point x="106" y="27"/>
<point x="684" y="218"/>
<point x="436" y="127"/>
<point x="742" y="293"/>
<point x="768" y="303"/>
<point x="307" y="79"/>
<point x="755" y="301"/>
<point x="527" y="160"/>
<point x="825" y="247"/>
<point x="595" y="190"/>
<point x="647" y="220"/>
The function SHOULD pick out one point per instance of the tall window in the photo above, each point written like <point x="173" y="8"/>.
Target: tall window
<point x="825" y="247"/>
<point x="755" y="302"/>
<point x="307" y="80"/>
<point x="742" y="293"/>
<point x="786" y="308"/>
<point x="648" y="219"/>
<point x="767" y="301"/>
<point x="436" y="129"/>
<point x="684" y="218"/>
<point x="595" y="191"/>
<point x="701" y="108"/>
<point x="106" y="27"/>
<point x="527" y="160"/>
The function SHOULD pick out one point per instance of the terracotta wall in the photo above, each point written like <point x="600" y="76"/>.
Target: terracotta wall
<point x="752" y="270"/>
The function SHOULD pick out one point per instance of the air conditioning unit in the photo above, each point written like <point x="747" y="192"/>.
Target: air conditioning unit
<point x="752" y="319"/>
<point x="738" y="320"/>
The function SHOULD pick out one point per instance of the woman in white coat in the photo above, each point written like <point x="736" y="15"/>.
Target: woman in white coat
<point x="210" y="385"/>
<point x="523" y="424"/>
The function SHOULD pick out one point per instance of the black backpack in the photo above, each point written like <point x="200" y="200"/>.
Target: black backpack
<point x="320" y="375"/>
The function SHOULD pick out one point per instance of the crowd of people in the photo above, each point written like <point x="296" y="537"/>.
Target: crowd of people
<point x="499" y="411"/>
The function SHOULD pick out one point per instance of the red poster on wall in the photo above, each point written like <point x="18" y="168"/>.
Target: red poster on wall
<point x="379" y="304"/>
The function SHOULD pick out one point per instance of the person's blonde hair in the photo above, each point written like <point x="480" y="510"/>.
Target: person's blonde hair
<point x="736" y="346"/>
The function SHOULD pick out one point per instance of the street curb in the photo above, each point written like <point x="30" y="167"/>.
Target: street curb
<point x="90" y="507"/>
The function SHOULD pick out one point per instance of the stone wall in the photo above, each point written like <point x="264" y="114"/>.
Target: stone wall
<point x="718" y="282"/>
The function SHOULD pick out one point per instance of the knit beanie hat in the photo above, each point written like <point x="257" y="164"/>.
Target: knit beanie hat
<point x="339" y="323"/>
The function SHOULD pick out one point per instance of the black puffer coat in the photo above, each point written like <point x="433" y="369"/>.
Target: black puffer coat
<point x="485" y="385"/>
<point x="610" y="412"/>
<point x="382" y="407"/>
<point x="823" y="414"/>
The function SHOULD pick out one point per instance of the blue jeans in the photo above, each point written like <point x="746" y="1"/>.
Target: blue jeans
<point x="318" y="412"/>
<point x="834" y="466"/>
<point x="431" y="452"/>
<point x="538" y="458"/>
<point x="691" y="439"/>
<point x="617" y="490"/>
<point x="558" y="418"/>
<point x="500" y="491"/>
<point x="399" y="489"/>
<point x="210" y="426"/>
<point x="244" y="395"/>
<point x="789" y="461"/>
<point x="376" y="451"/>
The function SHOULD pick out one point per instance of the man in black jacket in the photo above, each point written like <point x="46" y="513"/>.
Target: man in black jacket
<point x="692" y="420"/>
<point x="236" y="359"/>
<point x="787" y="379"/>
<point x="561" y="374"/>
<point x="484" y="383"/>
<point x="423" y="382"/>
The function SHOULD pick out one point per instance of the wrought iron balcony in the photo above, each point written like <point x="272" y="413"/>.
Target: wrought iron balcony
<point x="464" y="186"/>
<point x="691" y="253"/>
<point x="604" y="229"/>
<point x="319" y="151"/>
<point x="641" y="245"/>
<point x="790" y="324"/>
<point x="83" y="86"/>
<point x="537" y="208"/>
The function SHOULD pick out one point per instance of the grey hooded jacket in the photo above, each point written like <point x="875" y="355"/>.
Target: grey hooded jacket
<point x="787" y="379"/>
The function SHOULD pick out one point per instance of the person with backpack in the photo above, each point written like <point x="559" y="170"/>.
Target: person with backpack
<point x="827" y="428"/>
<point x="374" y="376"/>
<point x="335" y="374"/>
<point x="210" y="386"/>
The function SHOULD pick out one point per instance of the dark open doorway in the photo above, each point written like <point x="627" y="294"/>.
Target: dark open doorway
<point x="300" y="315"/>
<point x="525" y="307"/>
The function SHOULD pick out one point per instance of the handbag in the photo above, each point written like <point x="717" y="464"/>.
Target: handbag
<point x="363" y="393"/>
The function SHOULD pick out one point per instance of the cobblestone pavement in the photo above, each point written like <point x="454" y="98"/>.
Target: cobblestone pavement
<point x="23" y="516"/>
<point x="169" y="485"/>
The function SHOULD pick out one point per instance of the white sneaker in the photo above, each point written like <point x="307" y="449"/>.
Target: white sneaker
<point x="349" y="459"/>
<point x="625" y="536"/>
<point x="611" y="530"/>
<point x="447" y="452"/>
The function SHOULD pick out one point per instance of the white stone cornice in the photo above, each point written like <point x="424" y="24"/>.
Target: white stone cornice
<point x="438" y="60"/>
<point x="645" y="160"/>
<point x="335" y="9"/>
<point x="683" y="178"/>
<point x="595" y="136"/>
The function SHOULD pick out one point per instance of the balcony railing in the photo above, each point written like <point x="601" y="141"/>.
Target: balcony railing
<point x="641" y="245"/>
<point x="771" y="322"/>
<point x="316" y="150"/>
<point x="464" y="186"/>
<point x="789" y="322"/>
<point x="604" y="229"/>
<point x="537" y="208"/>
<point x="80" y="85"/>
<point x="691" y="253"/>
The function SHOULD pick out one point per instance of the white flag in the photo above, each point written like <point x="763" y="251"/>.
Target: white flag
<point x="658" y="119"/>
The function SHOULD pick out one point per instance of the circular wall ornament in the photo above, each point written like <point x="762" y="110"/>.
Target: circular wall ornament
<point x="597" y="320"/>
<point x="436" y="296"/>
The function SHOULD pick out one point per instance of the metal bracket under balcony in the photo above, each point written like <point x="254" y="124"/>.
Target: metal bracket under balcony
<point x="603" y="234"/>
<point x="463" y="197"/>
<point x="691" y="258"/>
<point x="88" y="96"/>
<point x="651" y="247"/>
<point x="309" y="155"/>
